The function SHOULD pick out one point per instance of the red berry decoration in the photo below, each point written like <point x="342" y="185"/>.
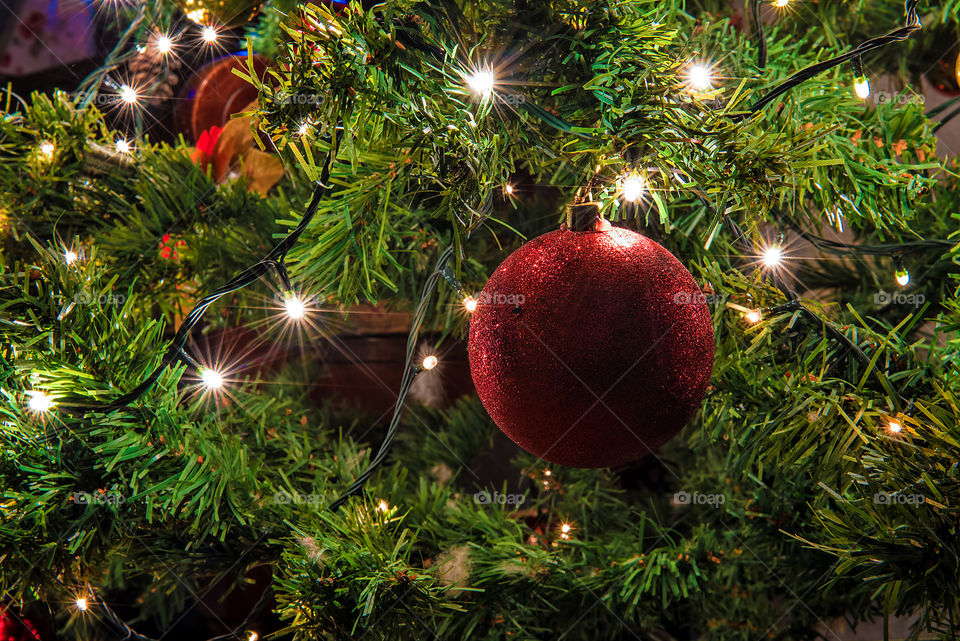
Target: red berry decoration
<point x="591" y="348"/>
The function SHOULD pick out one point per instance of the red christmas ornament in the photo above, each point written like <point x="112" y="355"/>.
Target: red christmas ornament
<point x="15" y="627"/>
<point x="591" y="349"/>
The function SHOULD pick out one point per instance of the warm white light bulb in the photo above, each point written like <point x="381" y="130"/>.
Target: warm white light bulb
<point x="753" y="316"/>
<point x="894" y="426"/>
<point x="164" y="44"/>
<point x="565" y="530"/>
<point x="508" y="188"/>
<point x="39" y="402"/>
<point x="861" y="87"/>
<point x="209" y="35"/>
<point x="772" y="256"/>
<point x="47" y="148"/>
<point x="123" y="147"/>
<point x="780" y="3"/>
<point x="128" y="94"/>
<point x="383" y="506"/>
<point x="470" y="304"/>
<point x="699" y="77"/>
<point x="81" y="604"/>
<point x="295" y="307"/>
<point x="70" y="256"/>
<point x="304" y="129"/>
<point x="632" y="188"/>
<point x="430" y="362"/>
<point x="903" y="277"/>
<point x="481" y="82"/>
<point x="212" y="379"/>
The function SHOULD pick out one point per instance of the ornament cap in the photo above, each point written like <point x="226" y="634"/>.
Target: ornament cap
<point x="583" y="216"/>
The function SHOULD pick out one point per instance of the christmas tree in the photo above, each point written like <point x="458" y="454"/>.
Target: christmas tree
<point x="250" y="263"/>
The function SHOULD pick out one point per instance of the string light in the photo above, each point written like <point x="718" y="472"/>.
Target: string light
<point x="70" y="256"/>
<point x="481" y="82"/>
<point x="861" y="87"/>
<point x="164" y="44"/>
<point x="508" y="189"/>
<point x="700" y="77"/>
<point x="123" y="147"/>
<point x="903" y="277"/>
<point x="632" y="188"/>
<point x="81" y="604"/>
<point x="295" y="307"/>
<point x="772" y="256"/>
<point x="470" y="304"/>
<point x="47" y="148"/>
<point x="209" y="35"/>
<point x="129" y="95"/>
<point x="304" y="129"/>
<point x="565" y="530"/>
<point x="39" y="402"/>
<point x="429" y="362"/>
<point x="383" y="506"/>
<point x="753" y="316"/>
<point x="780" y="4"/>
<point x="252" y="636"/>
<point x="212" y="379"/>
<point x="894" y="426"/>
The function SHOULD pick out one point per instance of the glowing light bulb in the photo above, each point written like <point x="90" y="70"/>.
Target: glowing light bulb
<point x="304" y="129"/>
<point x="772" y="256"/>
<point x="780" y="3"/>
<point x="470" y="304"/>
<point x="252" y="636"/>
<point x="565" y="530"/>
<point x="47" y="148"/>
<point x="209" y="35"/>
<point x="81" y="604"/>
<point x="699" y="77"/>
<point x="430" y="362"/>
<point x="383" y="506"/>
<point x="39" y="402"/>
<point x="164" y="44"/>
<point x="508" y="188"/>
<point x="861" y="87"/>
<point x="894" y="426"/>
<point x="128" y="94"/>
<point x="295" y="307"/>
<point x="123" y="147"/>
<point x="481" y="82"/>
<point x="70" y="256"/>
<point x="753" y="316"/>
<point x="212" y="379"/>
<point x="903" y="277"/>
<point x="632" y="188"/>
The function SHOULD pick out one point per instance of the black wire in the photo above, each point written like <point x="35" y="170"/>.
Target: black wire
<point x="755" y="6"/>
<point x="273" y="261"/>
<point x="898" y="35"/>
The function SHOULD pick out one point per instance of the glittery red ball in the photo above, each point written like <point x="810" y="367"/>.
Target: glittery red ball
<point x="591" y="349"/>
